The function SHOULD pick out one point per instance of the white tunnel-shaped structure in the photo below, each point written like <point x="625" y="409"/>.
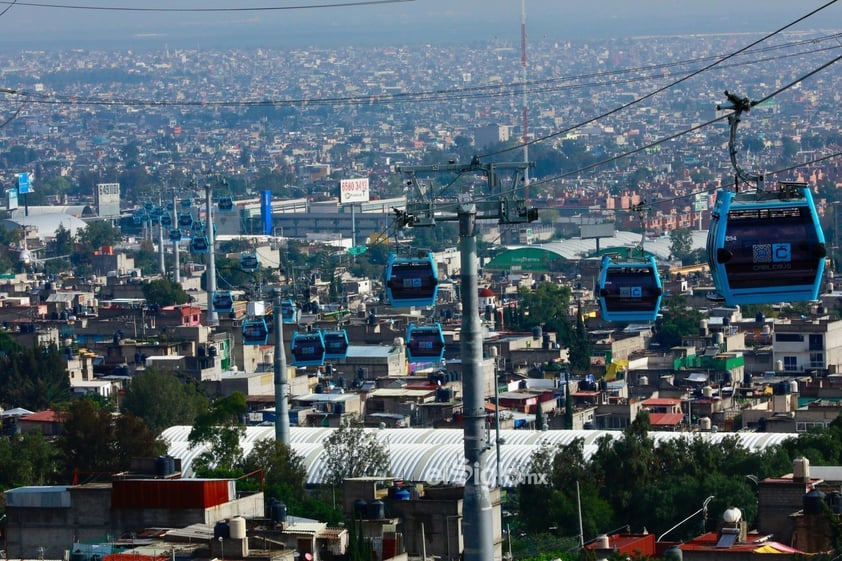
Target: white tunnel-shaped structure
<point x="437" y="455"/>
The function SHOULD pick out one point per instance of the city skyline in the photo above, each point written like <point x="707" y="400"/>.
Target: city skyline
<point x="308" y="24"/>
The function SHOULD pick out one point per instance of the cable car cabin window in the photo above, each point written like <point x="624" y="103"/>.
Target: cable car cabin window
<point x="185" y="220"/>
<point x="175" y="235"/>
<point x="199" y="244"/>
<point x="336" y="344"/>
<point x="222" y="302"/>
<point x="249" y="262"/>
<point x="630" y="289"/>
<point x="412" y="283"/>
<point x="288" y="311"/>
<point x="255" y="332"/>
<point x="425" y="344"/>
<point x="307" y="349"/>
<point x="773" y="247"/>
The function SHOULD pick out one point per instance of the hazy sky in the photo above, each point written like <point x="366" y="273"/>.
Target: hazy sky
<point x="434" y="21"/>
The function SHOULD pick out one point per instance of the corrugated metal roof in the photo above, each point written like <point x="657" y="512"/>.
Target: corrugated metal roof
<point x="437" y="455"/>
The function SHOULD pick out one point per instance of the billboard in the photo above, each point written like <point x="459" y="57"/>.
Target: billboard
<point x="590" y="231"/>
<point x="353" y="190"/>
<point x="24" y="186"/>
<point x="108" y="200"/>
<point x="266" y="211"/>
<point x="11" y="199"/>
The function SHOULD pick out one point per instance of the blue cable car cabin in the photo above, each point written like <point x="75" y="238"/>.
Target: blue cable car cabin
<point x="186" y="203"/>
<point x="424" y="343"/>
<point x="307" y="349"/>
<point x="185" y="220"/>
<point x="412" y="281"/>
<point x="199" y="244"/>
<point x="249" y="262"/>
<point x="166" y="219"/>
<point x="225" y="204"/>
<point x="255" y="332"/>
<point x="336" y="344"/>
<point x="629" y="291"/>
<point x="766" y="248"/>
<point x="289" y="311"/>
<point x="175" y="235"/>
<point x="222" y="302"/>
<point x="198" y="226"/>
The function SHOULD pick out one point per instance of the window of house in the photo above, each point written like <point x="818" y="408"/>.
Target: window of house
<point x="816" y="360"/>
<point x="791" y="363"/>
<point x="789" y="337"/>
<point x="816" y="342"/>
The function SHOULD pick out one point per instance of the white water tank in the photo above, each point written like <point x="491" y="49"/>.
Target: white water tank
<point x="644" y="380"/>
<point x="398" y="342"/>
<point x="779" y="366"/>
<point x="731" y="515"/>
<point x="603" y="542"/>
<point x="707" y="391"/>
<point x="793" y="386"/>
<point x="704" y="424"/>
<point x="800" y="469"/>
<point x="238" y="528"/>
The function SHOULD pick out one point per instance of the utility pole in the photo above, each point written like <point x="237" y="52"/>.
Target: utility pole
<point x="210" y="279"/>
<point x="280" y="374"/>
<point x="177" y="268"/>
<point x="478" y="526"/>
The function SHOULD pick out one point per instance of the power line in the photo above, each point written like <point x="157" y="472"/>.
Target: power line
<point x="671" y="84"/>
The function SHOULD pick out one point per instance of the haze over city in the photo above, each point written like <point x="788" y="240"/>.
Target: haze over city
<point x="307" y="24"/>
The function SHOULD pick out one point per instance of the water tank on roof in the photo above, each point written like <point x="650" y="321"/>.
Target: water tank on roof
<point x="402" y="494"/>
<point x="759" y="317"/>
<point x="399" y="342"/>
<point x="360" y="509"/>
<point x="793" y="386"/>
<point x="703" y="327"/>
<point x="707" y="391"/>
<point x="673" y="553"/>
<point x="779" y="366"/>
<point x="814" y="502"/>
<point x="238" y="528"/>
<point x="221" y="530"/>
<point x="277" y="511"/>
<point x="545" y="342"/>
<point x="834" y="502"/>
<point x="603" y="542"/>
<point x="704" y="424"/>
<point x="644" y="380"/>
<point x="537" y="332"/>
<point x="718" y="338"/>
<point x="732" y="515"/>
<point x="801" y="469"/>
<point x="376" y="510"/>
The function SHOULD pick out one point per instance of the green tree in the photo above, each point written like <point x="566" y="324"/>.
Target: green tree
<point x="545" y="306"/>
<point x="92" y="441"/>
<point x="99" y="233"/>
<point x="676" y="322"/>
<point x="163" y="400"/>
<point x="33" y="378"/>
<point x="220" y="428"/>
<point x="164" y="292"/>
<point x="27" y="459"/>
<point x="283" y="470"/>
<point x="681" y="243"/>
<point x="352" y="451"/>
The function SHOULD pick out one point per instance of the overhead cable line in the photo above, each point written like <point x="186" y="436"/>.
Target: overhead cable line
<point x="666" y="87"/>
<point x="454" y="94"/>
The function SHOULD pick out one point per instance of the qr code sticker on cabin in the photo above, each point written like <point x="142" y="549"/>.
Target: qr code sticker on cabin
<point x="761" y="253"/>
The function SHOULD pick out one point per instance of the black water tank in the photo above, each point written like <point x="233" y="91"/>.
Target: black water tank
<point x="221" y="530"/>
<point x="361" y="509"/>
<point x="536" y="332"/>
<point x="278" y="511"/>
<point x="545" y="342"/>
<point x="814" y="502"/>
<point x="376" y="510"/>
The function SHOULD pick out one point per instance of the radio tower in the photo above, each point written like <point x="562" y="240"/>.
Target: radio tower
<point x="525" y="106"/>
